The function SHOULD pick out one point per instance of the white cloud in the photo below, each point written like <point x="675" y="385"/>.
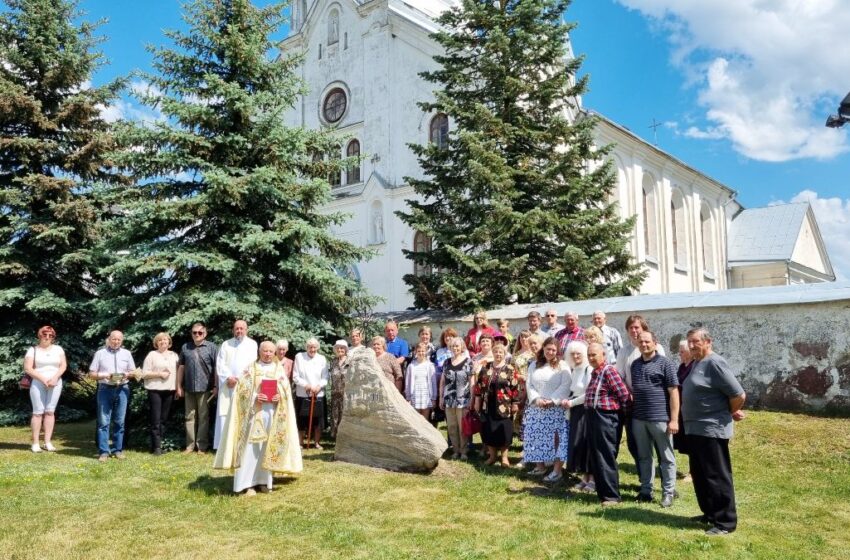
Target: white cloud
<point x="768" y="72"/>
<point x="122" y="109"/>
<point x="833" y="217"/>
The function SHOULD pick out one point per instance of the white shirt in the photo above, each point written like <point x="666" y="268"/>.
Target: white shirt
<point x="548" y="383"/>
<point x="309" y="371"/>
<point x="550" y="331"/>
<point x="234" y="357"/>
<point x="581" y="378"/>
<point x="47" y="360"/>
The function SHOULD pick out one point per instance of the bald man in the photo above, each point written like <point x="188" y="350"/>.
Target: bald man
<point x="234" y="357"/>
<point x="111" y="367"/>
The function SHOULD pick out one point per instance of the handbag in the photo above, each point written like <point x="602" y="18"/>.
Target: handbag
<point x="470" y="424"/>
<point x="26" y="381"/>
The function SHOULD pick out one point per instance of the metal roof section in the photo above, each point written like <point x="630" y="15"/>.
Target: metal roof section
<point x="766" y="234"/>
<point x="761" y="296"/>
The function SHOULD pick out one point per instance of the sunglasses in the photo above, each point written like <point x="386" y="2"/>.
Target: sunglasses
<point x="198" y="332"/>
<point x="48" y="335"/>
<point x="551" y="315"/>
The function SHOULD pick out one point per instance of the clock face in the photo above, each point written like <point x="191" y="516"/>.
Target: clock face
<point x="334" y="106"/>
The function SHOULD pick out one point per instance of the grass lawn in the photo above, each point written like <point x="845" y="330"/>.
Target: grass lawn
<point x="792" y="475"/>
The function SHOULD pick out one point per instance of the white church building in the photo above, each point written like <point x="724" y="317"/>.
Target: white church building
<point x="362" y="64"/>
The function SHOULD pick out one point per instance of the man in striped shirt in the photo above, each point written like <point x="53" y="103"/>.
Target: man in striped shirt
<point x="569" y="333"/>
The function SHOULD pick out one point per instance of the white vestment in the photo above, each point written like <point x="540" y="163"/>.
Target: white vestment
<point x="234" y="357"/>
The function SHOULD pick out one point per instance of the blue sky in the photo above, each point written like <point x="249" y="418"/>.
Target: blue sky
<point x="742" y="87"/>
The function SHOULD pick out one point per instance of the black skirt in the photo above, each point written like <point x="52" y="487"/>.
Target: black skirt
<point x="496" y="431"/>
<point x="578" y="458"/>
<point x="303" y="417"/>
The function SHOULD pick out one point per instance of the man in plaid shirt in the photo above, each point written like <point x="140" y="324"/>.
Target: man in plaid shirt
<point x="606" y="394"/>
<point x="569" y="333"/>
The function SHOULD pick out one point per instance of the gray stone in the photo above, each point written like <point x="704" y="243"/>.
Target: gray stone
<point x="379" y="428"/>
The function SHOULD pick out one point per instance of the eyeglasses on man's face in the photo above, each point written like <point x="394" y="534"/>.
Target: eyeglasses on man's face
<point x="198" y="333"/>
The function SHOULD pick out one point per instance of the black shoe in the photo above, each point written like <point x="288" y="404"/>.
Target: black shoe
<point x="262" y="489"/>
<point x="644" y="497"/>
<point x="716" y="532"/>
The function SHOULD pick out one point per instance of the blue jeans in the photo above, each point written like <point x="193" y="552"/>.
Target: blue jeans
<point x="111" y="408"/>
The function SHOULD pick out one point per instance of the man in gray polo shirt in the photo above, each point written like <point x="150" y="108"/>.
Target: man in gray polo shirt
<point x="112" y="366"/>
<point x="655" y="417"/>
<point x="196" y="382"/>
<point x="711" y="401"/>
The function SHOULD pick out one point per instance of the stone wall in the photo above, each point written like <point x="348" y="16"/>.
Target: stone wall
<point x="790" y="344"/>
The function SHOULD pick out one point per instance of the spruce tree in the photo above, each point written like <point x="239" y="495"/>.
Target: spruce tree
<point x="53" y="146"/>
<point x="223" y="219"/>
<point x="517" y="203"/>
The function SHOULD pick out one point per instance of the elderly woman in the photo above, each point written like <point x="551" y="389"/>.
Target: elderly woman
<point x="497" y="390"/>
<point x="473" y="337"/>
<point x="44" y="363"/>
<point x="159" y="371"/>
<point x="455" y="394"/>
<point x="594" y="335"/>
<point x="281" y="349"/>
<point x="546" y="436"/>
<point x="686" y="364"/>
<point x="259" y="436"/>
<point x="310" y="373"/>
<point x="338" y="372"/>
<point x="388" y="363"/>
<point x="578" y="456"/>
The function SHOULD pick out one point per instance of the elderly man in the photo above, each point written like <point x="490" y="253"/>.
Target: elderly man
<point x="196" y="382"/>
<point x="655" y="417"/>
<point x="111" y="367"/>
<point x="534" y="321"/>
<point x="712" y="399"/>
<point x="604" y="397"/>
<point x="551" y="326"/>
<point x="570" y="332"/>
<point x="234" y="357"/>
<point x="635" y="324"/>
<point x="310" y="373"/>
<point x="396" y="346"/>
<point x="613" y="341"/>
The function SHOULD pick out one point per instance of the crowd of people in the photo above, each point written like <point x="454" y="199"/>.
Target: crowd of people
<point x="568" y="393"/>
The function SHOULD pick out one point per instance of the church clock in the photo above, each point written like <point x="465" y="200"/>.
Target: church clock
<point x="334" y="105"/>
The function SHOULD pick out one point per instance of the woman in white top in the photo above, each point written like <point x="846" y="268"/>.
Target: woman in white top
<point x="420" y="384"/>
<point x="310" y="373"/>
<point x="159" y="372"/>
<point x="546" y="434"/>
<point x="45" y="363"/>
<point x="579" y="450"/>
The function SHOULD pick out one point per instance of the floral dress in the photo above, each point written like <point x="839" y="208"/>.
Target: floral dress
<point x="499" y="389"/>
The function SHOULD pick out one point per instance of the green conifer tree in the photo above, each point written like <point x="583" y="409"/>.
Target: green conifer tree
<point x="516" y="201"/>
<point x="223" y="220"/>
<point x="53" y="143"/>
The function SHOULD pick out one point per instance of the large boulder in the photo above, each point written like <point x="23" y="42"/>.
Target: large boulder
<point x="379" y="428"/>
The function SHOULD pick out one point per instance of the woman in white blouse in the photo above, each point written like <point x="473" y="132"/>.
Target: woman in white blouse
<point x="579" y="452"/>
<point x="45" y="363"/>
<point x="546" y="433"/>
<point x="159" y="372"/>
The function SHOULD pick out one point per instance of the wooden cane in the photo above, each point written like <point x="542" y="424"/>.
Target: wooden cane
<point x="310" y="420"/>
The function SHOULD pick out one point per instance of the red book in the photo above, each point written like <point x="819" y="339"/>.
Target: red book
<point x="268" y="387"/>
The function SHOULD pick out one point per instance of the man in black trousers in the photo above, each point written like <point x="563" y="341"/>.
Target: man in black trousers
<point x="712" y="399"/>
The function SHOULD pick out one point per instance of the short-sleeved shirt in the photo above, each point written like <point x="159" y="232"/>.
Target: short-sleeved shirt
<point x="650" y="381"/>
<point x="398" y="347"/>
<point x="705" y="398"/>
<point x="195" y="376"/>
<point x="46" y="361"/>
<point x="107" y="360"/>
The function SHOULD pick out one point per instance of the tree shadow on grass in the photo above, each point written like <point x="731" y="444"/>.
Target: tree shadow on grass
<point x="13" y="446"/>
<point x="645" y="516"/>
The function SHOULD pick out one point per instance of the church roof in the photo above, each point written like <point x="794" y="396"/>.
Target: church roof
<point x="766" y="234"/>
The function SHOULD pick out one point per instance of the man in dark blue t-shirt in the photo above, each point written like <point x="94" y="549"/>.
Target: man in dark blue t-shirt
<point x="655" y="417"/>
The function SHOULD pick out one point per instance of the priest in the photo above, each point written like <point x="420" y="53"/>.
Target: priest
<point x="259" y="435"/>
<point x="234" y="357"/>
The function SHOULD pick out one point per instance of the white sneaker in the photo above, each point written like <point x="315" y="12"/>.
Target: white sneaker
<point x="49" y="447"/>
<point x="36" y="448"/>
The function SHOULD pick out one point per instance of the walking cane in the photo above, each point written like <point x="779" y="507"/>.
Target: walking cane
<point x="310" y="420"/>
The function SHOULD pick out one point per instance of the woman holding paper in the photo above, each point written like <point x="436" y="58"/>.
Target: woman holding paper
<point x="259" y="436"/>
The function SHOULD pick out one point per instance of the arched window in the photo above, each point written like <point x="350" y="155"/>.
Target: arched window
<point x="421" y="244"/>
<point x="333" y="27"/>
<point x="707" y="240"/>
<point x="353" y="173"/>
<point x="334" y="173"/>
<point x="439" y="131"/>
<point x="677" y="216"/>
<point x="650" y="227"/>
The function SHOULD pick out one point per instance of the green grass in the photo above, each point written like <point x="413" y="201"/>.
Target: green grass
<point x="792" y="474"/>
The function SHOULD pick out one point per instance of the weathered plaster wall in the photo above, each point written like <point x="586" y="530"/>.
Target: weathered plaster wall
<point x="791" y="352"/>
